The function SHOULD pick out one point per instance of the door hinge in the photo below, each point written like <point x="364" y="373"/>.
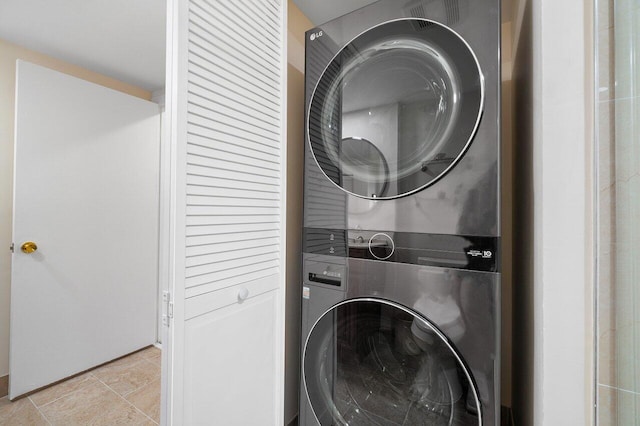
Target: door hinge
<point x="167" y="308"/>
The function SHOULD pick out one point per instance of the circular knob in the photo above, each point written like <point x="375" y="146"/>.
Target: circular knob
<point x="28" y="247"/>
<point x="243" y="294"/>
<point x="381" y="241"/>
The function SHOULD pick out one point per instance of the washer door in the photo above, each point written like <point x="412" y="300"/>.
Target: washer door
<point x="414" y="90"/>
<point x="374" y="362"/>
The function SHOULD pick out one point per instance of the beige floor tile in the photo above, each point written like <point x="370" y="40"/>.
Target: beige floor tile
<point x="52" y="393"/>
<point x="147" y="399"/>
<point x="153" y="367"/>
<point x="142" y="353"/>
<point x="20" y="413"/>
<point x="127" y="374"/>
<point x="94" y="405"/>
<point x="150" y="353"/>
<point x="156" y="360"/>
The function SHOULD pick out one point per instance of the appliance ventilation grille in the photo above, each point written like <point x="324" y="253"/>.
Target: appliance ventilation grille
<point x="419" y="12"/>
<point x="445" y="11"/>
<point x="452" y="10"/>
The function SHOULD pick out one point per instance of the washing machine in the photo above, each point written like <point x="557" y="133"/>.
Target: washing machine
<point x="401" y="270"/>
<point x="390" y="343"/>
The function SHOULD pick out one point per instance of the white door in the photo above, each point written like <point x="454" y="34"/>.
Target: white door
<point x="226" y="105"/>
<point x="86" y="193"/>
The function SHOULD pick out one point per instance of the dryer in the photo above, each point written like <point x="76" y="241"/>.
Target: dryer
<point x="402" y="118"/>
<point x="401" y="282"/>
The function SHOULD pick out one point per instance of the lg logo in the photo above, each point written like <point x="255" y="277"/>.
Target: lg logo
<point x="314" y="36"/>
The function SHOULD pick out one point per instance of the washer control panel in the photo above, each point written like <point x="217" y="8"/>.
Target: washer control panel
<point x="325" y="273"/>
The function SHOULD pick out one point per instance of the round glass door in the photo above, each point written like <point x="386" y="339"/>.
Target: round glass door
<point x="412" y="88"/>
<point x="374" y="362"/>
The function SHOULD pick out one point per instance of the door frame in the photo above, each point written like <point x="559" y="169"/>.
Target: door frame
<point x="164" y="206"/>
<point x="176" y="120"/>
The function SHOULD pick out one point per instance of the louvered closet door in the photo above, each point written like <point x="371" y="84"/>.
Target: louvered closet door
<point x="226" y="91"/>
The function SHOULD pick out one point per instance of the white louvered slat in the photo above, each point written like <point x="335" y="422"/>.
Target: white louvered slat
<point x="242" y="267"/>
<point x="200" y="81"/>
<point x="232" y="154"/>
<point x="203" y="70"/>
<point x="235" y="220"/>
<point x="220" y="230"/>
<point x="246" y="28"/>
<point x="199" y="215"/>
<point x="234" y="109"/>
<point x="226" y="141"/>
<point x="205" y="201"/>
<point x="249" y="165"/>
<point x="203" y="244"/>
<point x="213" y="262"/>
<point x="226" y="116"/>
<point x="239" y="39"/>
<point x="240" y="46"/>
<point x="214" y="191"/>
<point x="231" y="184"/>
<point x="207" y="147"/>
<point x="261" y="9"/>
<point x="238" y="129"/>
<point x="233" y="61"/>
<point x="234" y="144"/>
<point x="206" y="264"/>
<point x="229" y="174"/>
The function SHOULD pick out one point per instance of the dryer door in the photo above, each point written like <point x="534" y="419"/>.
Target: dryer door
<point x="395" y="109"/>
<point x="374" y="362"/>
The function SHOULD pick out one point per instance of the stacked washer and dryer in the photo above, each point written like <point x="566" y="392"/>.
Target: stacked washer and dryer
<point x="401" y="274"/>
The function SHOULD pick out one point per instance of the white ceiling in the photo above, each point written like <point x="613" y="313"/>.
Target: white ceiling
<point x="123" y="39"/>
<point x="323" y="11"/>
<point x="320" y="12"/>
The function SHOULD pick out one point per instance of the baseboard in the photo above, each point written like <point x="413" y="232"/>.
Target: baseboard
<point x="4" y="386"/>
<point x="506" y="418"/>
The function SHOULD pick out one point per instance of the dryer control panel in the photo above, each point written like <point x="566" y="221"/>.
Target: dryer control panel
<point x="476" y="253"/>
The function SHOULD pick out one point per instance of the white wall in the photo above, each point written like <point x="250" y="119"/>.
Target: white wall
<point x="9" y="53"/>
<point x="554" y="283"/>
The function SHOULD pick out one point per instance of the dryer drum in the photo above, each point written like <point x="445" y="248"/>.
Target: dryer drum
<point x="415" y="93"/>
<point x="370" y="361"/>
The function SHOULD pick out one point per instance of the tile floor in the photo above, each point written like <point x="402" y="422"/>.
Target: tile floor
<point x="123" y="392"/>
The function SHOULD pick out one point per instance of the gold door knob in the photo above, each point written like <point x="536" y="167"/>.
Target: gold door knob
<point x="28" y="247"/>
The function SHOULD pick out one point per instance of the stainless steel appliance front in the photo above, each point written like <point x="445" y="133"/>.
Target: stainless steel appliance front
<point x="390" y="343"/>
